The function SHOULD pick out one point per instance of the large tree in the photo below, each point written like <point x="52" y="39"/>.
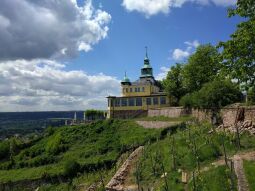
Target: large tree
<point x="213" y="95"/>
<point x="202" y="67"/>
<point x="173" y="84"/>
<point x="238" y="53"/>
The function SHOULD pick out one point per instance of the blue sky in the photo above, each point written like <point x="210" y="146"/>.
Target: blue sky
<point x="70" y="55"/>
<point x="130" y="32"/>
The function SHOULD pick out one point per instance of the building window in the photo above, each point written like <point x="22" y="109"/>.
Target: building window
<point x="126" y="89"/>
<point x="162" y="100"/>
<point x="155" y="100"/>
<point x="131" y="90"/>
<point x="148" y="101"/>
<point x="131" y="101"/>
<point x="111" y="102"/>
<point x="142" y="89"/>
<point x="138" y="89"/>
<point x="135" y="89"/>
<point x="139" y="101"/>
<point x="123" y="102"/>
<point x="117" y="102"/>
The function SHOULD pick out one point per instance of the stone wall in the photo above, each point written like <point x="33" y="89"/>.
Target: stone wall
<point x="201" y="114"/>
<point x="127" y="114"/>
<point x="227" y="114"/>
<point x="169" y="112"/>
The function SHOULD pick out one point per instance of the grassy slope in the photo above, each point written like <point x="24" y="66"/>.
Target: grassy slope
<point x="90" y="145"/>
<point x="209" y="149"/>
<point x="249" y="168"/>
<point x="105" y="141"/>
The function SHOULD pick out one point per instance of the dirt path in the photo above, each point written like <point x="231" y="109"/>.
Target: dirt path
<point x="242" y="183"/>
<point x="156" y="124"/>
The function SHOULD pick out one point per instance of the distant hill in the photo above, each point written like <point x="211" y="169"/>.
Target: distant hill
<point x="23" y="123"/>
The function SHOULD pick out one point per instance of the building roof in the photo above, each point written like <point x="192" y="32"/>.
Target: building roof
<point x="145" y="81"/>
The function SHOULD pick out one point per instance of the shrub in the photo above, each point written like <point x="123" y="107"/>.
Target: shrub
<point x="215" y="94"/>
<point x="251" y="96"/>
<point x="55" y="145"/>
<point x="71" y="168"/>
<point x="4" y="149"/>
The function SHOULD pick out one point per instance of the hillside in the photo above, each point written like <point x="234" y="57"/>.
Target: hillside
<point x="93" y="147"/>
<point x="76" y="157"/>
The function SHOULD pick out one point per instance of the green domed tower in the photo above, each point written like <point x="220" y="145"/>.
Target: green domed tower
<point x="146" y="71"/>
<point x="125" y="80"/>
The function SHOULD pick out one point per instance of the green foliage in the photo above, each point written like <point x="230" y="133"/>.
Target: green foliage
<point x="92" y="114"/>
<point x="208" y="148"/>
<point x="216" y="179"/>
<point x="95" y="147"/>
<point x="238" y="53"/>
<point x="251" y="96"/>
<point x="55" y="145"/>
<point x="215" y="94"/>
<point x="4" y="149"/>
<point x="173" y="84"/>
<point x="244" y="8"/>
<point x="202" y="67"/>
<point x="249" y="169"/>
<point x="71" y="168"/>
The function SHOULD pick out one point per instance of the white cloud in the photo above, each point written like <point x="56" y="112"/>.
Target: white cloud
<point x="180" y="55"/>
<point x="148" y="7"/>
<point x="194" y="43"/>
<point x="153" y="7"/>
<point x="44" y="85"/>
<point x="163" y="72"/>
<point x="31" y="29"/>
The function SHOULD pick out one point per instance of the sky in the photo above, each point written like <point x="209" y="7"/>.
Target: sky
<point x="70" y="54"/>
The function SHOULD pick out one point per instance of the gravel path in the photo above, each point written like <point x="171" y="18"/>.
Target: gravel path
<point x="156" y="124"/>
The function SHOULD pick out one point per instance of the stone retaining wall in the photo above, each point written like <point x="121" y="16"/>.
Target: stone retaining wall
<point x="117" y="181"/>
<point x="227" y="114"/>
<point x="127" y="114"/>
<point x="169" y="112"/>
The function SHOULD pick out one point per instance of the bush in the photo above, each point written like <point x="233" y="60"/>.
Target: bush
<point x="215" y="94"/>
<point x="55" y="145"/>
<point x="71" y="168"/>
<point x="4" y="149"/>
<point x="92" y="114"/>
<point x="251" y="96"/>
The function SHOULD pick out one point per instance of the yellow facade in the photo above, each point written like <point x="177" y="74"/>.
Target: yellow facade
<point x="138" y="90"/>
<point x="140" y="95"/>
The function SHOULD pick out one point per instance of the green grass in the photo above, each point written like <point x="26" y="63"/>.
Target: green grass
<point x="209" y="148"/>
<point x="249" y="168"/>
<point x="95" y="146"/>
<point x="215" y="179"/>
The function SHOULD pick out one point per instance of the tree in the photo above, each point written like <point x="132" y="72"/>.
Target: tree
<point x="173" y="84"/>
<point x="238" y="53"/>
<point x="202" y="67"/>
<point x="251" y="96"/>
<point x="215" y="94"/>
<point x="244" y="8"/>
